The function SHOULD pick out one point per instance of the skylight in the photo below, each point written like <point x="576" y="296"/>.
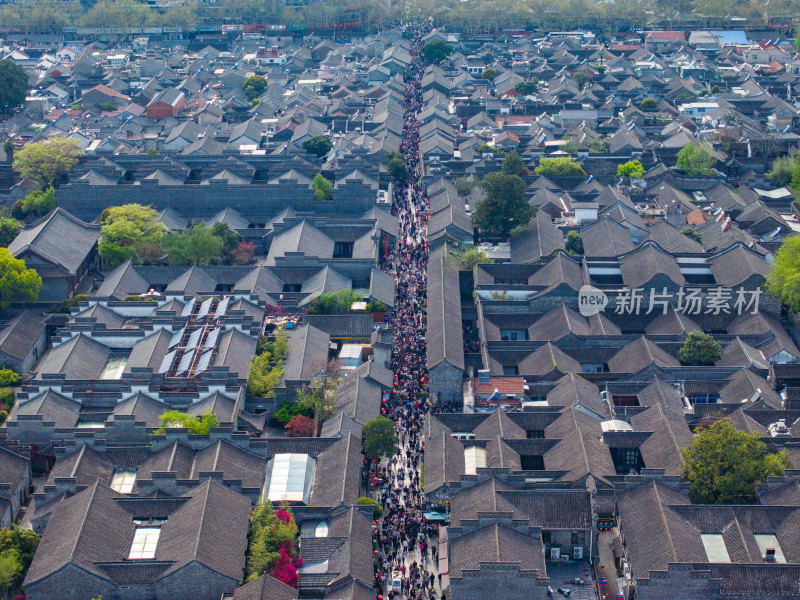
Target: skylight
<point x="145" y="540"/>
<point x="767" y="541"/>
<point x="290" y="477"/>
<point x="474" y="459"/>
<point x="716" y="551"/>
<point x="123" y="481"/>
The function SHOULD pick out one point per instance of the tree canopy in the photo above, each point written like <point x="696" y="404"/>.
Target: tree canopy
<point x="13" y="85"/>
<point x="574" y="243"/>
<point x="436" y="50"/>
<point x="272" y="547"/>
<point x="336" y="303"/>
<point x="301" y="426"/>
<point x="9" y="228"/>
<point x="48" y="161"/>
<point x="254" y="85"/>
<point x="319" y="145"/>
<point x="195" y="246"/>
<point x="488" y="74"/>
<point x="527" y="87"/>
<point x="694" y="160"/>
<point x="784" y="279"/>
<point x="323" y="189"/>
<point x="396" y="166"/>
<point x="379" y="438"/>
<point x="20" y="544"/>
<point x="632" y="169"/>
<point x="130" y="231"/>
<point x="723" y="464"/>
<point x="700" y="349"/>
<point x="559" y="167"/>
<point x="513" y="164"/>
<point x="17" y="282"/>
<point x="36" y="204"/>
<point x="505" y="205"/>
<point x="782" y="170"/>
<point x="196" y="425"/>
<point x="266" y="369"/>
<point x="690" y="232"/>
<point x="472" y="257"/>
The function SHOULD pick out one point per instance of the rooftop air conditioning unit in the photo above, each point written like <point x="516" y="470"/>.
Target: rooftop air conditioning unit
<point x="555" y="553"/>
<point x="577" y="552"/>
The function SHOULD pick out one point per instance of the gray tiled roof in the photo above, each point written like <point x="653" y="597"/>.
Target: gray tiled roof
<point x="444" y="333"/>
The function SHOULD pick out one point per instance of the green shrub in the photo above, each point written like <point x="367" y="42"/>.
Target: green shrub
<point x="377" y="509"/>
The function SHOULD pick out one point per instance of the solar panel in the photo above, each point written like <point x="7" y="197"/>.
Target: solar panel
<point x="167" y="362"/>
<point x="222" y="308"/>
<point x="176" y="337"/>
<point x="204" y="361"/>
<point x="187" y="309"/>
<point x="186" y="362"/>
<point x="211" y="340"/>
<point x="194" y="339"/>
<point x="204" y="308"/>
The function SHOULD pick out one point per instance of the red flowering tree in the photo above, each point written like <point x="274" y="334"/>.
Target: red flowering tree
<point x="243" y="253"/>
<point x="271" y="546"/>
<point x="300" y="426"/>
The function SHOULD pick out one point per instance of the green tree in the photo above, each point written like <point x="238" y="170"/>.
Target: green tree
<point x="465" y="184"/>
<point x="574" y="243"/>
<point x="377" y="509"/>
<point x="723" y="464"/>
<point x="436" y="51"/>
<point x="23" y="541"/>
<point x="337" y="303"/>
<point x="514" y="165"/>
<point x="488" y="74"/>
<point x="196" y="245"/>
<point x="10" y="568"/>
<point x="781" y="171"/>
<point x="49" y="161"/>
<point x="700" y="349"/>
<point x="130" y="231"/>
<point x="527" y="87"/>
<point x="266" y="369"/>
<point x="784" y="279"/>
<point x="597" y="145"/>
<point x="692" y="234"/>
<point x="320" y="397"/>
<point x="648" y="104"/>
<point x="559" y="167"/>
<point x="254" y="85"/>
<point x="151" y="152"/>
<point x="472" y="257"/>
<point x="396" y="166"/>
<point x="632" y="169"/>
<point x="8" y="378"/>
<point x="13" y="85"/>
<point x="323" y="189"/>
<point x="9" y="228"/>
<point x="504" y="207"/>
<point x="36" y="204"/>
<point x="17" y="283"/>
<point x="267" y="534"/>
<point x="195" y="425"/>
<point x="319" y="145"/>
<point x="379" y="438"/>
<point x="694" y="160"/>
<point x="582" y="79"/>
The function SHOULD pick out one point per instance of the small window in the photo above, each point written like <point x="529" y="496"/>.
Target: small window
<point x="343" y="250"/>
<point x="511" y="370"/>
<point x="145" y="541"/>
<point x="474" y="459"/>
<point x="292" y="288"/>
<point x="321" y="529"/>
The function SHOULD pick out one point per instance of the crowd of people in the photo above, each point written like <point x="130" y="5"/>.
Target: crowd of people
<point x="405" y="555"/>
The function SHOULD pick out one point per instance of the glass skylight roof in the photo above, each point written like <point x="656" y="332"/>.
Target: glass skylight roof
<point x="204" y="361"/>
<point x="186" y="362"/>
<point x="474" y="459"/>
<point x="194" y="339"/>
<point x="290" y="477"/>
<point x="211" y="340"/>
<point x="145" y="541"/>
<point x="187" y="309"/>
<point x="222" y="308"/>
<point x="176" y="337"/>
<point x="123" y="481"/>
<point x="204" y="308"/>
<point x="167" y="362"/>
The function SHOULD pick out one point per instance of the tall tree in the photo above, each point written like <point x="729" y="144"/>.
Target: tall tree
<point x="130" y="231"/>
<point x="514" y="165"/>
<point x="17" y="283"/>
<point x="319" y="145"/>
<point x="436" y="50"/>
<point x="323" y="189"/>
<point x="49" y="161"/>
<point x="9" y="228"/>
<point x="784" y="280"/>
<point x="700" y="349"/>
<point x="694" y="160"/>
<point x="504" y="207"/>
<point x="723" y="464"/>
<point x="379" y="438"/>
<point x="10" y="569"/>
<point x="13" y="85"/>
<point x="194" y="246"/>
<point x="254" y="85"/>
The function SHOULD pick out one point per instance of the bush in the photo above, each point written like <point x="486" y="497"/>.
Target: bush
<point x="377" y="509"/>
<point x="196" y="425"/>
<point x="337" y="303"/>
<point x="488" y="74"/>
<point x="692" y="234"/>
<point x="465" y="184"/>
<point x="135" y="298"/>
<point x="9" y="378"/>
<point x="301" y="426"/>
<point x="632" y="169"/>
<point x="648" y="104"/>
<point x="287" y="412"/>
<point x="694" y="160"/>
<point x="376" y="306"/>
<point x="3" y="416"/>
<point x="318" y="145"/>
<point x="559" y="167"/>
